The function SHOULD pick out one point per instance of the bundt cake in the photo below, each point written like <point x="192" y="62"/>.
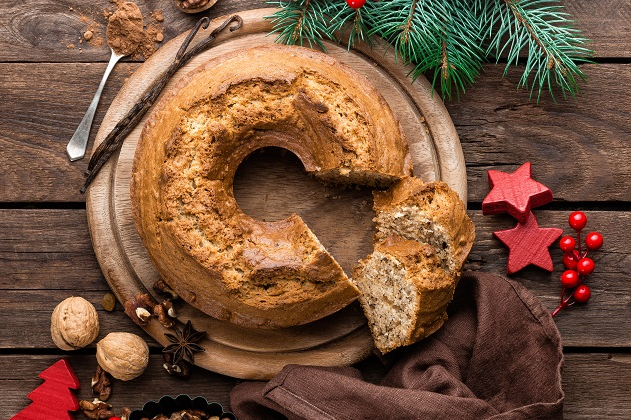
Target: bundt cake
<point x="230" y="266"/>
<point x="423" y="237"/>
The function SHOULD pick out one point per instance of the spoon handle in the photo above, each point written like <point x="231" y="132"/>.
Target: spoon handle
<point x="79" y="141"/>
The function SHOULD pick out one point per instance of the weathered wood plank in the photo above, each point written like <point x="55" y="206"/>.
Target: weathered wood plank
<point x="47" y="250"/>
<point x="579" y="148"/>
<point x="596" y="385"/>
<point x="19" y="377"/>
<point x="28" y="314"/>
<point x="40" y="31"/>
<point x="52" y="30"/>
<point x="46" y="256"/>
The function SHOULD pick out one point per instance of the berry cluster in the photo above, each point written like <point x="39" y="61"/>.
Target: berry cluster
<point x="578" y="265"/>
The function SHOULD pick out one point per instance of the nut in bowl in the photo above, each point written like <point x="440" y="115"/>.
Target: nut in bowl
<point x="168" y="408"/>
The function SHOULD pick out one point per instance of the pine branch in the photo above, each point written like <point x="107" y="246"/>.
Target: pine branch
<point x="449" y="40"/>
<point x="297" y="21"/>
<point x="442" y="36"/>
<point x="348" y="25"/>
<point x="554" y="48"/>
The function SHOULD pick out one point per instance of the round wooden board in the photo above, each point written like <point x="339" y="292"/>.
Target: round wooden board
<point x="270" y="186"/>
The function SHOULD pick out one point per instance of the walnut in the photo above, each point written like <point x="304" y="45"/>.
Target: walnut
<point x="165" y="313"/>
<point x="74" y="324"/>
<point x="181" y="369"/>
<point x="96" y="409"/>
<point x="101" y="384"/>
<point x="125" y="412"/>
<point x="140" y="308"/>
<point x="123" y="355"/>
<point x="163" y="289"/>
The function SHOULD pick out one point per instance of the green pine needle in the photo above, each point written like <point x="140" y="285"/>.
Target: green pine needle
<point x="449" y="40"/>
<point x="542" y="30"/>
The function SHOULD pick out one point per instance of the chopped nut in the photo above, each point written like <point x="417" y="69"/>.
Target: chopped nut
<point x="108" y="302"/>
<point x="125" y="413"/>
<point x="163" y="311"/>
<point x="143" y="315"/>
<point x="163" y="289"/>
<point x="101" y="384"/>
<point x="181" y="369"/>
<point x="139" y="309"/>
<point x="96" y="409"/>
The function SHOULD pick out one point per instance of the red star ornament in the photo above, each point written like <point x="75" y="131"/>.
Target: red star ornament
<point x="528" y="244"/>
<point x="515" y="193"/>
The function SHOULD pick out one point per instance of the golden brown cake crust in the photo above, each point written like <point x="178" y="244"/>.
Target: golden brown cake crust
<point x="217" y="258"/>
<point x="440" y="203"/>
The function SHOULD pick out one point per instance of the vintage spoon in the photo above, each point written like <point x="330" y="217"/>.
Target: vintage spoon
<point x="79" y="141"/>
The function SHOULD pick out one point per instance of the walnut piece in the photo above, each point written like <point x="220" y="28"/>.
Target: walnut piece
<point x="123" y="355"/>
<point x="164" y="290"/>
<point x="165" y="313"/>
<point x="101" y="384"/>
<point x="96" y="409"/>
<point x="140" y="308"/>
<point x="74" y="323"/>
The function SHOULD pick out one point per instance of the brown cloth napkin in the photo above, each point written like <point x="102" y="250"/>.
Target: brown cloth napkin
<point x="499" y="356"/>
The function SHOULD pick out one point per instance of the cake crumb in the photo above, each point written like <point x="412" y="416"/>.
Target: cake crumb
<point x="87" y="35"/>
<point x="70" y="46"/>
<point x="158" y="15"/>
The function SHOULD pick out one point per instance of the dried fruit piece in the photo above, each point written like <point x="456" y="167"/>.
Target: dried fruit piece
<point x="108" y="302"/>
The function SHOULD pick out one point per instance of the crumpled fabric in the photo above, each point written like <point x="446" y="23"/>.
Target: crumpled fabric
<point x="499" y="356"/>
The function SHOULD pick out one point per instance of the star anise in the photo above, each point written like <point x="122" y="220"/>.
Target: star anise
<point x="184" y="343"/>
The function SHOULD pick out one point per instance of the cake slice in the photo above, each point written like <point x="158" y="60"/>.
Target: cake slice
<point x="430" y="213"/>
<point x="423" y="237"/>
<point x="404" y="292"/>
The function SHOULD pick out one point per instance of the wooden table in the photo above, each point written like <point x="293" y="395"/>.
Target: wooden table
<point x="581" y="149"/>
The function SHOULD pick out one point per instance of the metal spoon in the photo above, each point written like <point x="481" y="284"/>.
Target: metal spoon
<point x="79" y="141"/>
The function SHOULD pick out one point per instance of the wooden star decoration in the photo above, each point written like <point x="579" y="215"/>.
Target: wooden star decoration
<point x="528" y="244"/>
<point x="515" y="193"/>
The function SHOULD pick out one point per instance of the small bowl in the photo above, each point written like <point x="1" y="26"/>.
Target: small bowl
<point x="207" y="6"/>
<point x="168" y="405"/>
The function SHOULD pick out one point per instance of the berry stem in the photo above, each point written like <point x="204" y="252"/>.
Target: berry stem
<point x="578" y="241"/>
<point x="564" y="303"/>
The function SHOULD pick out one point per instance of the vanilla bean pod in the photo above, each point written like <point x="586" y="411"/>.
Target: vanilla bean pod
<point x="115" y="138"/>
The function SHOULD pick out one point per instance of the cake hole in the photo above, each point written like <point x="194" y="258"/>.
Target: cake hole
<point x="271" y="184"/>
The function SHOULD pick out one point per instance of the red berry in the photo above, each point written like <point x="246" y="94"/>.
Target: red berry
<point x="578" y="220"/>
<point x="585" y="266"/>
<point x="569" y="261"/>
<point x="114" y="418"/>
<point x="569" y="278"/>
<point x="594" y="241"/>
<point x="567" y="243"/>
<point x="356" y="4"/>
<point x="582" y="293"/>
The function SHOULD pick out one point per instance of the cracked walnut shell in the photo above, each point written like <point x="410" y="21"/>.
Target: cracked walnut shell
<point x="123" y="355"/>
<point x="74" y="323"/>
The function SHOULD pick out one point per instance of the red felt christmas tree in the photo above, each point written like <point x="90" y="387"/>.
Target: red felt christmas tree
<point x="53" y="399"/>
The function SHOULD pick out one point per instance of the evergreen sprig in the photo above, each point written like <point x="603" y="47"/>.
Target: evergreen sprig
<point x="450" y="40"/>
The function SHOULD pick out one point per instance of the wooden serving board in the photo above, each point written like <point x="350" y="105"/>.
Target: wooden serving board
<point x="270" y="185"/>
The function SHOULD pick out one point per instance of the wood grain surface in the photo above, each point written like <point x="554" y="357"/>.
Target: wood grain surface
<point x="581" y="149"/>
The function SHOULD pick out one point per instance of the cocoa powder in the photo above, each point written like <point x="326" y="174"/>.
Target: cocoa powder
<point x="125" y="32"/>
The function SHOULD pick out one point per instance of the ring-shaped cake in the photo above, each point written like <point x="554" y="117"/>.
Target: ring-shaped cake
<point x="225" y="263"/>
